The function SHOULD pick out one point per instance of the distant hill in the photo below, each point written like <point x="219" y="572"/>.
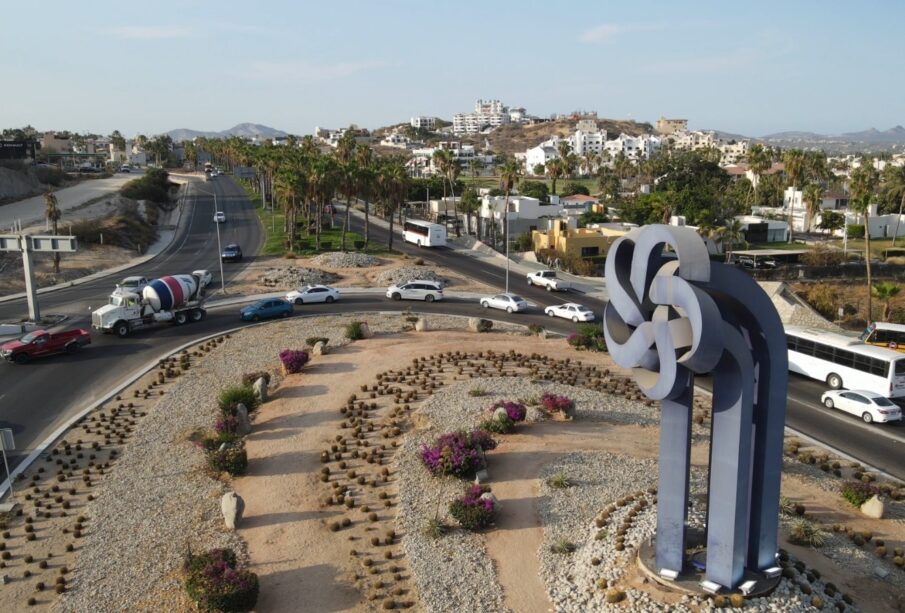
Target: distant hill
<point x="893" y="135"/>
<point x="243" y="130"/>
<point x="851" y="142"/>
<point x="515" y="138"/>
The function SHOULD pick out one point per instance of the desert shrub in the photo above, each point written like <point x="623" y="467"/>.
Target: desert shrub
<point x="471" y="510"/>
<point x="434" y="528"/>
<point x="477" y="392"/>
<point x="154" y="185"/>
<point x="803" y="532"/>
<point x="311" y="341"/>
<point x="554" y="403"/>
<point x="858" y="492"/>
<point x="457" y="453"/>
<point x="786" y="506"/>
<point x="354" y="331"/>
<point x="823" y="297"/>
<point x="855" y="230"/>
<point x="822" y="255"/>
<point x="234" y="395"/>
<point x="559" y="481"/>
<point x="231" y="459"/>
<point x="497" y="425"/>
<point x="226" y="423"/>
<point x="293" y="360"/>
<point x="214" y="582"/>
<point x="250" y="377"/>
<point x="562" y="546"/>
<point x="535" y="329"/>
<point x="579" y="341"/>
<point x="515" y="410"/>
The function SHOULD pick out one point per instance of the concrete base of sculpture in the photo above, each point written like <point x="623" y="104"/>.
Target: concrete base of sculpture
<point x="689" y="580"/>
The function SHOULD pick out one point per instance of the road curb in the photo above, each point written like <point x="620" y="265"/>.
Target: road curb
<point x="49" y="440"/>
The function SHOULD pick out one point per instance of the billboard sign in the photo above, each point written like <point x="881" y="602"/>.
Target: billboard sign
<point x="17" y="149"/>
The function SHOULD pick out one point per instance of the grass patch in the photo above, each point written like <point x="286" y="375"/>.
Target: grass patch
<point x="563" y="546"/>
<point x="559" y="481"/>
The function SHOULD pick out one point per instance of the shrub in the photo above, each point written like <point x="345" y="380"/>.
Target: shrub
<point x="234" y="395"/>
<point x="553" y="403"/>
<point x="434" y="528"/>
<point x="559" y="481"/>
<point x="471" y="510"/>
<point x="515" y="410"/>
<point x="535" y="329"/>
<point x="855" y="230"/>
<point x="293" y="360"/>
<point x="477" y="392"/>
<point x="562" y="546"/>
<point x="231" y="459"/>
<point x="311" y="341"/>
<point x="354" y="331"/>
<point x="858" y="492"/>
<point x="501" y="425"/>
<point x="786" y="506"/>
<point x="579" y="341"/>
<point x="457" y="453"/>
<point x="214" y="582"/>
<point x="226" y="424"/>
<point x="250" y="377"/>
<point x="803" y="532"/>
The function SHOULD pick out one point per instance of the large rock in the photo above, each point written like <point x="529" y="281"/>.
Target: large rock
<point x="476" y="324"/>
<point x="500" y="414"/>
<point x="490" y="496"/>
<point x="481" y="476"/>
<point x="365" y="330"/>
<point x="421" y="325"/>
<point x="244" y="426"/>
<point x="232" y="506"/>
<point x="260" y="388"/>
<point x="873" y="507"/>
<point x="320" y="348"/>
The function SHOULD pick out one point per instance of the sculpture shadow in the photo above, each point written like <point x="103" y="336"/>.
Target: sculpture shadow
<point x="287" y="425"/>
<point x="319" y="587"/>
<point x="302" y="391"/>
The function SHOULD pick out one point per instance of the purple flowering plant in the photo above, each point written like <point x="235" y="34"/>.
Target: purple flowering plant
<point x="215" y="582"/>
<point x="293" y="360"/>
<point x="515" y="410"/>
<point x="457" y="453"/>
<point x="554" y="403"/>
<point x="472" y="511"/>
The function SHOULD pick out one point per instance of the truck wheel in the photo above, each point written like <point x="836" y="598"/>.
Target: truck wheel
<point x="549" y="288"/>
<point x="180" y="318"/>
<point x="530" y="282"/>
<point x="121" y="329"/>
<point x="196" y="315"/>
<point x="20" y="358"/>
<point x="834" y="381"/>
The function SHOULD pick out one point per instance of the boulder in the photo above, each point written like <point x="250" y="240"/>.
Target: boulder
<point x="490" y="496"/>
<point x="481" y="476"/>
<point x="500" y="414"/>
<point x="320" y="348"/>
<point x="476" y="324"/>
<point x="365" y="330"/>
<point x="421" y="325"/>
<point x="244" y="426"/>
<point x="232" y="506"/>
<point x="260" y="388"/>
<point x="873" y="507"/>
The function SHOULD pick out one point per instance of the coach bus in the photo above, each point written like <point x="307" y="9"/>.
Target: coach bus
<point x="843" y="361"/>
<point x="883" y="334"/>
<point x="423" y="233"/>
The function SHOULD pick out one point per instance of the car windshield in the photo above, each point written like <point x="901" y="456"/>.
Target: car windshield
<point x="883" y="402"/>
<point x="117" y="301"/>
<point x="29" y="337"/>
<point x="517" y="298"/>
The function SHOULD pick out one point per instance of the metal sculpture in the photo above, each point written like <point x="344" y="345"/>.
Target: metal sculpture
<point x="673" y="314"/>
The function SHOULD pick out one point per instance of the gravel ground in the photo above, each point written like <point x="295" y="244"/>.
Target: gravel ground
<point x="292" y="277"/>
<point x="340" y="259"/>
<point x="404" y="274"/>
<point x="160" y="501"/>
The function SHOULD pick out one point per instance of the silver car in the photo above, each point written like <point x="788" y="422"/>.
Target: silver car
<point x="416" y="290"/>
<point x="510" y="303"/>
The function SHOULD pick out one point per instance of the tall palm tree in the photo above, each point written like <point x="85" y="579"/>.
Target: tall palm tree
<point x="475" y="166"/>
<point x="886" y="291"/>
<point x="364" y="157"/>
<point x="730" y="234"/>
<point x="864" y="181"/>
<point x="590" y="160"/>
<point x="894" y="189"/>
<point x="52" y="213"/>
<point x="393" y="184"/>
<point x="759" y="161"/>
<point x="509" y="173"/>
<point x="443" y="160"/>
<point x="793" y="160"/>
<point x="554" y="169"/>
<point x="813" y="196"/>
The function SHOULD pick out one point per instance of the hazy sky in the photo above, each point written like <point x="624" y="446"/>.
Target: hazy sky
<point x="753" y="68"/>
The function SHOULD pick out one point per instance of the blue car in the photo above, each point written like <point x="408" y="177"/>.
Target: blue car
<point x="266" y="309"/>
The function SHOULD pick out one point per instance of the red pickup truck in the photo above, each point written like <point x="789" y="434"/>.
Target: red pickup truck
<point x="41" y="343"/>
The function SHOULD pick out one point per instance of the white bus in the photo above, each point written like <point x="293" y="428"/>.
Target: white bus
<point x="843" y="361"/>
<point x="423" y="233"/>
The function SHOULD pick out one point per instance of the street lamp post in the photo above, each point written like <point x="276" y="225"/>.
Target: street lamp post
<point x="506" y="238"/>
<point x="219" y="248"/>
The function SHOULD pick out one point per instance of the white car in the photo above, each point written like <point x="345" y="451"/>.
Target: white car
<point x="869" y="406"/>
<point x="510" y="303"/>
<point x="219" y="217"/>
<point x="416" y="290"/>
<point x="570" y="310"/>
<point x="312" y="293"/>
<point x="134" y="284"/>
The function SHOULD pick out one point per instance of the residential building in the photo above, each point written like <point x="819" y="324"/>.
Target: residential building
<point x="423" y="123"/>
<point x="667" y="127"/>
<point x="633" y="147"/>
<point x="577" y="204"/>
<point x="394" y="139"/>
<point x="563" y="237"/>
<point x="52" y="143"/>
<point x="540" y="155"/>
<point x="587" y="125"/>
<point x="733" y="151"/>
<point x="488" y="114"/>
<point x="524" y="215"/>
<point x="584" y="142"/>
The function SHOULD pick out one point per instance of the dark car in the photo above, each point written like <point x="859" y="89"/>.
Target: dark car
<point x="231" y="253"/>
<point x="266" y="309"/>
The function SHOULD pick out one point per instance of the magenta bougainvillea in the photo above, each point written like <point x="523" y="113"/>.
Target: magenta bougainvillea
<point x="293" y="360"/>
<point x="457" y="453"/>
<point x="554" y="403"/>
<point x="472" y="511"/>
<point x="515" y="410"/>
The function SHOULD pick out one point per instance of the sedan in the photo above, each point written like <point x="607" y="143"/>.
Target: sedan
<point x="219" y="217"/>
<point x="266" y="309"/>
<point x="505" y="302"/>
<point x="231" y="253"/>
<point x="869" y="406"/>
<point x="313" y="293"/>
<point x="570" y="310"/>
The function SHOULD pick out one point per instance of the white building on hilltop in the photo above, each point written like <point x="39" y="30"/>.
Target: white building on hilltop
<point x="423" y="123"/>
<point x="487" y="114"/>
<point x="633" y="147"/>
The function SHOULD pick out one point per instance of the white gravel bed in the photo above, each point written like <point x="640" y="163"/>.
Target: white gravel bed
<point x="293" y="277"/>
<point x="404" y="274"/>
<point x="345" y="259"/>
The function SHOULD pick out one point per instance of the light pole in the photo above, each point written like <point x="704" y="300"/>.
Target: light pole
<point x="219" y="249"/>
<point x="506" y="238"/>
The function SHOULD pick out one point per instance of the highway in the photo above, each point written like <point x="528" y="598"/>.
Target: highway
<point x="36" y="398"/>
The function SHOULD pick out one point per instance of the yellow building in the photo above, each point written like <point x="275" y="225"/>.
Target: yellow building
<point x="577" y="242"/>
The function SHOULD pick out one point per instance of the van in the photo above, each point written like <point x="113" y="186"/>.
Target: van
<point x="416" y="290"/>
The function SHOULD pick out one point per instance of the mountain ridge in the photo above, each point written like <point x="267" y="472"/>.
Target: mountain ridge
<point x="244" y="130"/>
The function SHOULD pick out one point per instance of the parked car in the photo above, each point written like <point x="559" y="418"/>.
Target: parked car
<point x="134" y="284"/>
<point x="42" y="343"/>
<point x="313" y="293"/>
<point x="231" y="253"/>
<point x="869" y="406"/>
<point x="570" y="310"/>
<point x="746" y="261"/>
<point x="125" y="168"/>
<point x="219" y="217"/>
<point x="505" y="302"/>
<point x="416" y="290"/>
<point x="266" y="309"/>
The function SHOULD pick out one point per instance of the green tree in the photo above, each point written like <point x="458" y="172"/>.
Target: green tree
<point x="534" y="189"/>
<point x="886" y="291"/>
<point x="573" y="188"/>
<point x="52" y="213"/>
<point x="364" y="157"/>
<point x="608" y="183"/>
<point x="538" y="169"/>
<point x="119" y="142"/>
<point x="555" y="169"/>
<point x="813" y="197"/>
<point x="794" y="163"/>
<point x="830" y="221"/>
<point x="471" y="204"/>
<point x="730" y="234"/>
<point x="759" y="161"/>
<point x="509" y="173"/>
<point x="893" y="190"/>
<point x="864" y="180"/>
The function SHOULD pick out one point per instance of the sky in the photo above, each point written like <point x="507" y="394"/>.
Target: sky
<point x="752" y="68"/>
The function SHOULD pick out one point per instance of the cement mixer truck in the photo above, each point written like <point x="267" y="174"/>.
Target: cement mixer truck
<point x="176" y="299"/>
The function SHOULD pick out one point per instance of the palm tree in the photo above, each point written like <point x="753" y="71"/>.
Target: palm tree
<point x="886" y="291"/>
<point x="813" y="196"/>
<point x="52" y="213"/>
<point x="475" y="166"/>
<point x="443" y="160"/>
<point x="864" y="181"/>
<point x="393" y="182"/>
<point x="364" y="156"/>
<point x="608" y="183"/>
<point x="759" y="161"/>
<point x="554" y="169"/>
<point x="894" y="189"/>
<point x="509" y="173"/>
<point x="730" y="234"/>
<point x="590" y="160"/>
<point x="793" y="160"/>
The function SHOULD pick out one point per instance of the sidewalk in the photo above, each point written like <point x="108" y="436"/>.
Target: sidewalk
<point x="594" y="287"/>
